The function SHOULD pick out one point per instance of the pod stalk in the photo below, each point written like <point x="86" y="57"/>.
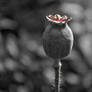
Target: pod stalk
<point x="58" y="79"/>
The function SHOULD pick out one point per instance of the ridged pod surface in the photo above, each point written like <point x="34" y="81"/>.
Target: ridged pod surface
<point x="57" y="40"/>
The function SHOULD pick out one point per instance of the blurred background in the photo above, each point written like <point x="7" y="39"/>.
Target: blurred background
<point x="24" y="66"/>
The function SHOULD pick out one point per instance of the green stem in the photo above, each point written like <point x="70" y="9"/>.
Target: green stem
<point x="57" y="68"/>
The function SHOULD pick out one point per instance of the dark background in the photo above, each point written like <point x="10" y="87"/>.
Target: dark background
<point x="24" y="66"/>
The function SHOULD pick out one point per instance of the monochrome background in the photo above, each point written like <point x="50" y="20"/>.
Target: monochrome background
<point x="24" y="66"/>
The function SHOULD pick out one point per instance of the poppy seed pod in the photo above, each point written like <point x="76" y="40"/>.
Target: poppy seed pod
<point x="57" y="37"/>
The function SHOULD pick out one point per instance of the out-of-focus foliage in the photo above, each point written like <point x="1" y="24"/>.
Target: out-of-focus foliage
<point x="24" y="66"/>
